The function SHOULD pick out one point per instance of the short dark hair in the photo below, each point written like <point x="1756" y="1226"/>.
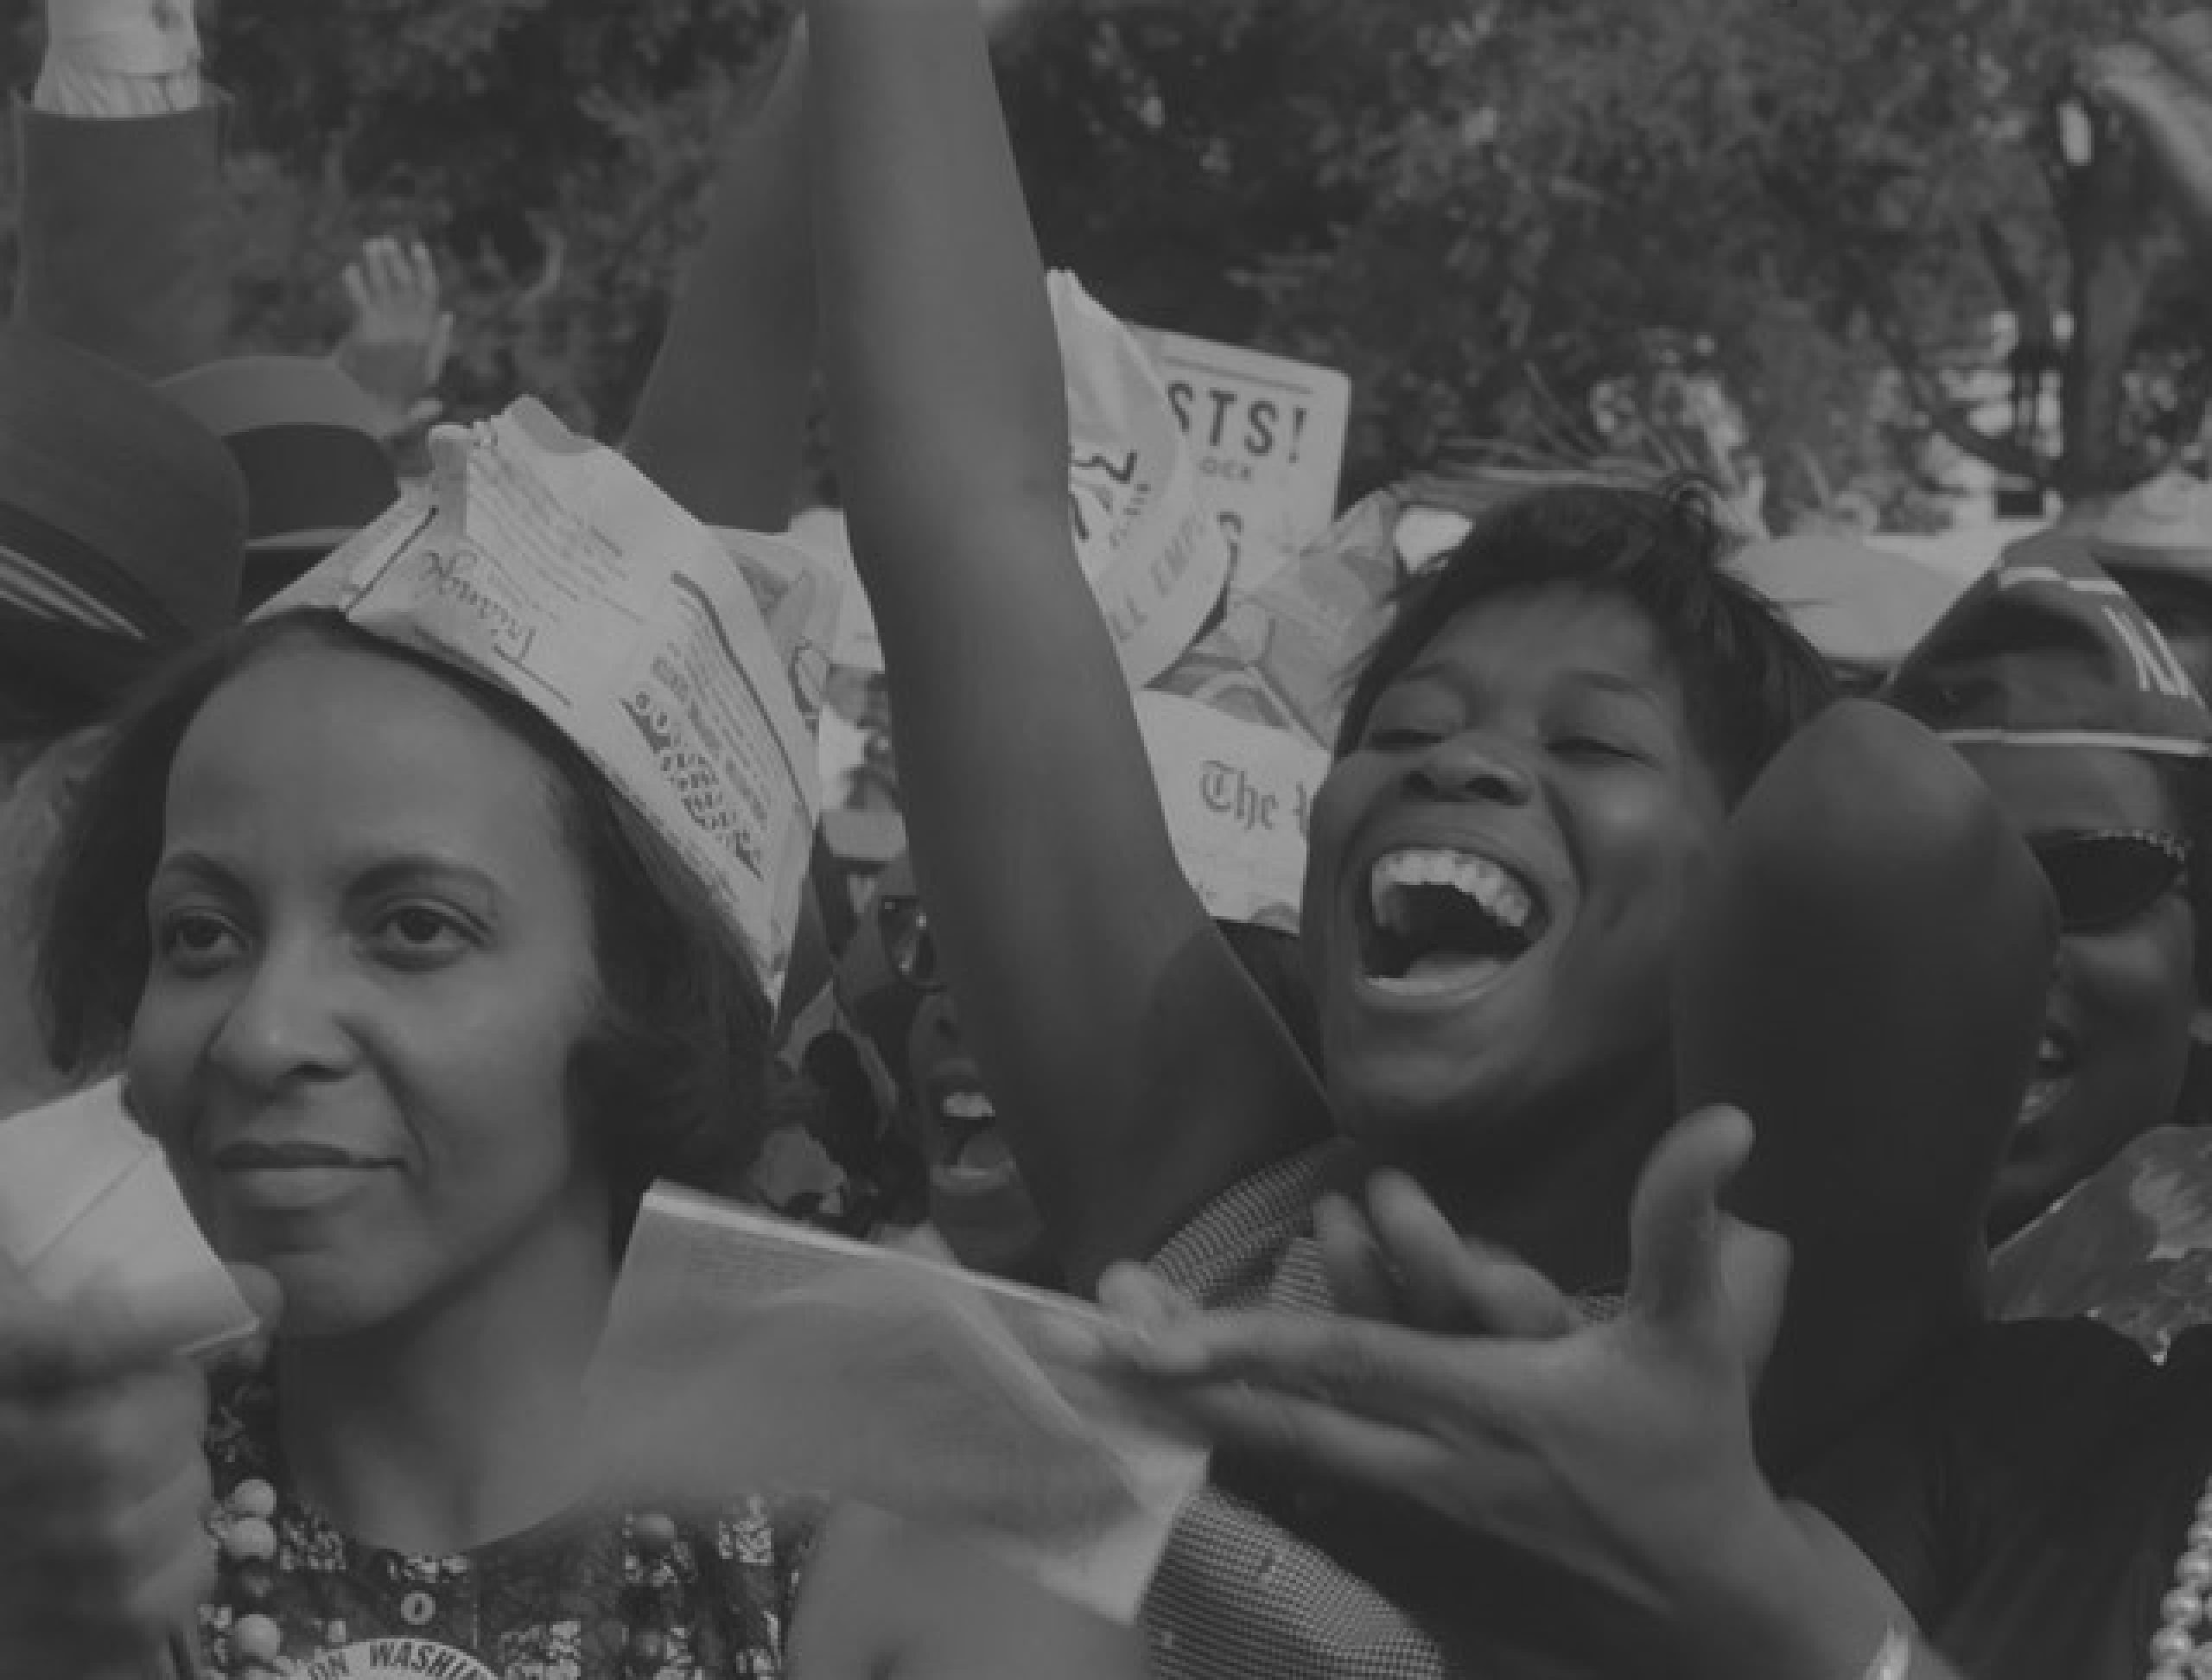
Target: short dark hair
<point x="670" y="1078"/>
<point x="1749" y="680"/>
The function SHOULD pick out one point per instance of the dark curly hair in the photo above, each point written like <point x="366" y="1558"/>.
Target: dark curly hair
<point x="669" y="1079"/>
<point x="1749" y="680"/>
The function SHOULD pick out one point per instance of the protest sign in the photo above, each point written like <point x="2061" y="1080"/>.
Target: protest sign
<point x="1267" y="435"/>
<point x="746" y="1355"/>
<point x="552" y="568"/>
<point x="1237" y="797"/>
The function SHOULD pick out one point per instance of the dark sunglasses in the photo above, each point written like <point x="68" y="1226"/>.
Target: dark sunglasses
<point x="2102" y="879"/>
<point x="903" y="927"/>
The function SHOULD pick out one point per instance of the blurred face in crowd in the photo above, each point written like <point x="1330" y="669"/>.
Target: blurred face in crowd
<point x="371" y="959"/>
<point x="892" y="989"/>
<point x="1497" y="873"/>
<point x="2116" y="1030"/>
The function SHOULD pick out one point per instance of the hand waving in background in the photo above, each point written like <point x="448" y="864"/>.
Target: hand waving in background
<point x="397" y="348"/>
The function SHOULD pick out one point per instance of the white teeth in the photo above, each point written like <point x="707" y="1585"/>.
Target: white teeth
<point x="967" y="1105"/>
<point x="1503" y="898"/>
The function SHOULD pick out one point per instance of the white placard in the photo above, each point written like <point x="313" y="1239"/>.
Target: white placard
<point x="1267" y="434"/>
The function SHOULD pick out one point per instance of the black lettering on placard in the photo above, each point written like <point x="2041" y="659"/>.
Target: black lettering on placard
<point x="1221" y="417"/>
<point x="1259" y="421"/>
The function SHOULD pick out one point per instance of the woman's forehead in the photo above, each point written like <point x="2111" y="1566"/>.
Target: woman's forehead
<point x="1561" y="637"/>
<point x="337" y="741"/>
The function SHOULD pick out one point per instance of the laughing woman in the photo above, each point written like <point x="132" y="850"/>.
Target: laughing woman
<point x="416" y="1006"/>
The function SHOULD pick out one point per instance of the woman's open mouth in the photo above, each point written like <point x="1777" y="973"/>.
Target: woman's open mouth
<point x="971" y="1148"/>
<point x="1436" y="921"/>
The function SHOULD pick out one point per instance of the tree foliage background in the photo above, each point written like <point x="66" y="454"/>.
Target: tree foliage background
<point x="1542" y="230"/>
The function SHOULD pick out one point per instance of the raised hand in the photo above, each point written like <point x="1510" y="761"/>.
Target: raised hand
<point x="103" y="1484"/>
<point x="398" y="344"/>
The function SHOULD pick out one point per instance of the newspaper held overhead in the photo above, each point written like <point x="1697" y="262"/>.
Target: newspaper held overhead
<point x="1153" y="554"/>
<point x="746" y="1355"/>
<point x="685" y="663"/>
<point x="1237" y="797"/>
<point x="1267" y="434"/>
<point x="1279" y="655"/>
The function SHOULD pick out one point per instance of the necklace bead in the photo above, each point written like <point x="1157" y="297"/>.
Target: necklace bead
<point x="250" y="1539"/>
<point x="2175" y="1652"/>
<point x="257" y="1640"/>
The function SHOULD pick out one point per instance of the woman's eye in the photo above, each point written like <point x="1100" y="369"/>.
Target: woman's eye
<point x="416" y="932"/>
<point x="1589" y="747"/>
<point x="196" y="942"/>
<point x="1400" y="738"/>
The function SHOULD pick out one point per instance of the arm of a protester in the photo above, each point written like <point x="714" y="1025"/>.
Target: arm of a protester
<point x="1867" y="975"/>
<point x="723" y="416"/>
<point x="885" y="1600"/>
<point x="1139" y="1069"/>
<point x="1618" y="1454"/>
<point x="123" y="203"/>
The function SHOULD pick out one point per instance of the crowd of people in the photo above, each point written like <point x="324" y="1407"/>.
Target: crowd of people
<point x="1573" y="1243"/>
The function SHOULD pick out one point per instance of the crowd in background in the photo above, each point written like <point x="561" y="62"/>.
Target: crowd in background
<point x="1574" y="1242"/>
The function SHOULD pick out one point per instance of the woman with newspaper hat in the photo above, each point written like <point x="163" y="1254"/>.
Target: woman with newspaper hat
<point x="419" y="976"/>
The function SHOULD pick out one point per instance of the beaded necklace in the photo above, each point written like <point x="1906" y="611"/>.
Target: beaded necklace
<point x="257" y="1630"/>
<point x="2182" y="1648"/>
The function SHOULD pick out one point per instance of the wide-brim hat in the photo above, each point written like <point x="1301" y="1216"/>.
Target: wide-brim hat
<point x="309" y="442"/>
<point x="118" y="513"/>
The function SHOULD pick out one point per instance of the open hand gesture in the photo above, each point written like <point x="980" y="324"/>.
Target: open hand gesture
<point x="398" y="344"/>
<point x="1618" y="1451"/>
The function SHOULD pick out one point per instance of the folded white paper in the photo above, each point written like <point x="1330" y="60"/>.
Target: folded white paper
<point x="89" y="1209"/>
<point x="745" y="1354"/>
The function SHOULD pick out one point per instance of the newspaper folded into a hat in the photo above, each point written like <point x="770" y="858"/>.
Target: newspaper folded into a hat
<point x="744" y="1354"/>
<point x="89" y="1210"/>
<point x="686" y="664"/>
